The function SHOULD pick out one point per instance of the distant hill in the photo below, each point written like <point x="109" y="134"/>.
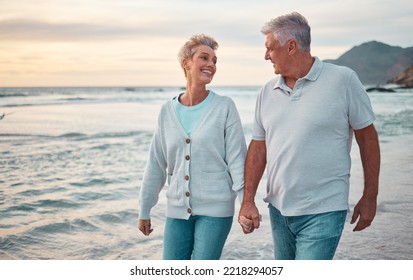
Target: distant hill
<point x="376" y="63"/>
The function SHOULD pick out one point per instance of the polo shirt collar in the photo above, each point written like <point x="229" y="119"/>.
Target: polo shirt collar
<point x="315" y="70"/>
<point x="312" y="75"/>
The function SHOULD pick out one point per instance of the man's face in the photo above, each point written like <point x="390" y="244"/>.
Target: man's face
<point x="276" y="53"/>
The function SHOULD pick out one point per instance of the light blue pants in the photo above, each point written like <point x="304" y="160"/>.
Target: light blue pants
<point x="199" y="238"/>
<point x="307" y="237"/>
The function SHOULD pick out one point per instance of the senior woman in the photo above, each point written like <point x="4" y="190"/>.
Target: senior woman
<point x="199" y="148"/>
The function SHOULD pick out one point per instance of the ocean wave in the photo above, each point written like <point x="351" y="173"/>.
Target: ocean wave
<point x="117" y="217"/>
<point x="76" y="135"/>
<point x="55" y="203"/>
<point x="40" y="207"/>
<point x="18" y="97"/>
<point x="400" y="123"/>
<point x="24" y="207"/>
<point x="42" y="191"/>
<point x="57" y="102"/>
<point x="96" y="182"/>
<point x="73" y="136"/>
<point x="21" y="135"/>
<point x="91" y="196"/>
<point x="82" y="224"/>
<point x="75" y="99"/>
<point x="14" y="94"/>
<point x="125" y="134"/>
<point x="52" y="228"/>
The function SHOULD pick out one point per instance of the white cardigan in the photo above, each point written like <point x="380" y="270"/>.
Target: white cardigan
<point x="205" y="172"/>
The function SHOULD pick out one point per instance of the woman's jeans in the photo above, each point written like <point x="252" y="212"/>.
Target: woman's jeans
<point x="200" y="237"/>
<point x="307" y="237"/>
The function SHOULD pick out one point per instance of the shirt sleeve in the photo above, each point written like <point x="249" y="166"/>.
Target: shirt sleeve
<point x="235" y="150"/>
<point x="154" y="177"/>
<point x="258" y="131"/>
<point x="360" y="111"/>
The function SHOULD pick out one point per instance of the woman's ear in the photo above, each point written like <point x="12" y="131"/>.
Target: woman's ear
<point x="185" y="64"/>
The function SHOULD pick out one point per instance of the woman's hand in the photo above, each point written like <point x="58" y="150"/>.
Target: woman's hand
<point x="145" y="226"/>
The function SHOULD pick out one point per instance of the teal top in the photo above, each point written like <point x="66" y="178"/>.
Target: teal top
<point x="189" y="115"/>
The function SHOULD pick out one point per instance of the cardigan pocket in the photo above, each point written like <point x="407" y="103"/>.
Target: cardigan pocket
<point x="216" y="186"/>
<point x="174" y="193"/>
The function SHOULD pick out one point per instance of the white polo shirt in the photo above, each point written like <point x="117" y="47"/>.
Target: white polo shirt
<point x="308" y="133"/>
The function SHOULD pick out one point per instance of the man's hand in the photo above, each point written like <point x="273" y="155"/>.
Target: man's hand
<point x="365" y="211"/>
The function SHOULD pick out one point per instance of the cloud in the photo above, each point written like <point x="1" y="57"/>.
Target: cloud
<point x="32" y="30"/>
<point x="35" y="30"/>
<point x="136" y="42"/>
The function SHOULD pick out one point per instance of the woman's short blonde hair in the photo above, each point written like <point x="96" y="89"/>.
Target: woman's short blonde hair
<point x="189" y="48"/>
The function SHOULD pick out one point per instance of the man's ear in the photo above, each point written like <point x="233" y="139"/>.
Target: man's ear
<point x="292" y="47"/>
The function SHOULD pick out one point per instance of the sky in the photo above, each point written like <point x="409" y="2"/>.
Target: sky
<point x="135" y="42"/>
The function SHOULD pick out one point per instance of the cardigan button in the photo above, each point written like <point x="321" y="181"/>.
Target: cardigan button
<point x="187" y="157"/>
<point x="188" y="140"/>
<point x="189" y="210"/>
<point x="187" y="194"/>
<point x="186" y="177"/>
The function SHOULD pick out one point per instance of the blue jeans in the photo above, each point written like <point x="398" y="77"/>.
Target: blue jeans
<point x="200" y="237"/>
<point x="307" y="237"/>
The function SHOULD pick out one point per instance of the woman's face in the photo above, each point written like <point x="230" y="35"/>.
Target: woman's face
<point x="202" y="67"/>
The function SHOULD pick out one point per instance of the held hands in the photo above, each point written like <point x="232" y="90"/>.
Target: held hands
<point x="145" y="226"/>
<point x="249" y="217"/>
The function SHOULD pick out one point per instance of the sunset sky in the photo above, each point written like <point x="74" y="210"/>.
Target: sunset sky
<point x="135" y="42"/>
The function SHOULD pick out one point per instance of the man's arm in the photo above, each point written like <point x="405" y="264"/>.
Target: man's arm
<point x="365" y="209"/>
<point x="254" y="169"/>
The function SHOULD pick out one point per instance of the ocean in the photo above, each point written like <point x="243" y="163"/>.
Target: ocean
<point x="71" y="165"/>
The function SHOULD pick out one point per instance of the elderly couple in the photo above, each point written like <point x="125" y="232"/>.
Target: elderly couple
<point x="304" y="122"/>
